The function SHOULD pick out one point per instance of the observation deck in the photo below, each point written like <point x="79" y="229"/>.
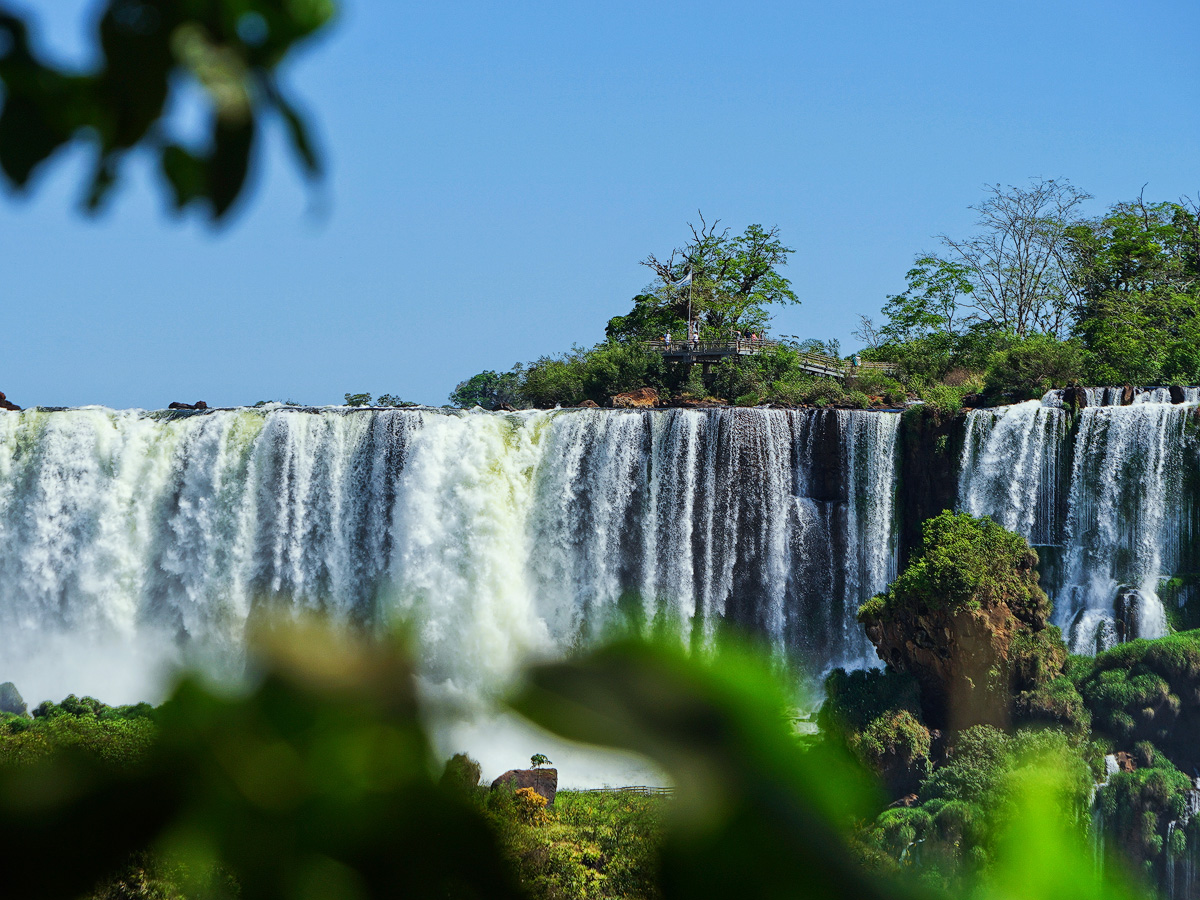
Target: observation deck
<point x="708" y="352"/>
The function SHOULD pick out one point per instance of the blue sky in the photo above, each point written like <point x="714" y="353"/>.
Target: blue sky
<point x="498" y="169"/>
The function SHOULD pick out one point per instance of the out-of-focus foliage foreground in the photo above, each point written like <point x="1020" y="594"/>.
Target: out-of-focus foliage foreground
<point x="320" y="782"/>
<point x="148" y="49"/>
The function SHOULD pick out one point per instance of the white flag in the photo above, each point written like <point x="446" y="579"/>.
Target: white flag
<point x="684" y="281"/>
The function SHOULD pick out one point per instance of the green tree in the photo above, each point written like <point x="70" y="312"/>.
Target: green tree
<point x="1137" y="273"/>
<point x="393" y="400"/>
<point x="149" y="50"/>
<point x="488" y="389"/>
<point x="1031" y="367"/>
<point x="727" y="281"/>
<point x="932" y="302"/>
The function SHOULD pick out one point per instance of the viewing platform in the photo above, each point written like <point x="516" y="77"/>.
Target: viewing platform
<point x="708" y="352"/>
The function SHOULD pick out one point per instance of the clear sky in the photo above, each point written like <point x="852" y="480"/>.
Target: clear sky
<point x="498" y="169"/>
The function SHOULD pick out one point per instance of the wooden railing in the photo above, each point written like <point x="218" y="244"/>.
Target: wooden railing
<point x="640" y="790"/>
<point x="816" y="363"/>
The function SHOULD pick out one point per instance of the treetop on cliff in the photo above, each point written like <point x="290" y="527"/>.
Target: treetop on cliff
<point x="969" y="562"/>
<point x="725" y="281"/>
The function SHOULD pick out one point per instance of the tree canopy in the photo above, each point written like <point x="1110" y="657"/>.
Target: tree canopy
<point x="726" y="281"/>
<point x="1137" y="273"/>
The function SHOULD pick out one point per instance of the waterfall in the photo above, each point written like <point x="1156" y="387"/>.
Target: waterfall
<point x="1104" y="499"/>
<point x="1012" y="458"/>
<point x="130" y="541"/>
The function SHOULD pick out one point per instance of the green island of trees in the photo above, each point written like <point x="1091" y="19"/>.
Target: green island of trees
<point x="1036" y="297"/>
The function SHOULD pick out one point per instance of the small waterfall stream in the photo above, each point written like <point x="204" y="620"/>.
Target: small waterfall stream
<point x="1105" y="497"/>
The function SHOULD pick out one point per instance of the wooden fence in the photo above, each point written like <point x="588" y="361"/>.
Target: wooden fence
<point x="640" y="790"/>
<point x="814" y="363"/>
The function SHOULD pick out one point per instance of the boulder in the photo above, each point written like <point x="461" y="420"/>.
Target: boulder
<point x="11" y="700"/>
<point x="642" y="398"/>
<point x="1074" y="397"/>
<point x="505" y="407"/>
<point x="5" y="403"/>
<point x="1127" y="395"/>
<point x="544" y="781"/>
<point x="1177" y="394"/>
<point x="589" y="404"/>
<point x="199" y="404"/>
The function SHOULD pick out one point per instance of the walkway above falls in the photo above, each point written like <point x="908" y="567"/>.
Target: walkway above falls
<point x="708" y="352"/>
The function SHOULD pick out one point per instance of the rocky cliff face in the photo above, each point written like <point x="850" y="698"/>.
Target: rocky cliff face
<point x="930" y="455"/>
<point x="11" y="700"/>
<point x="968" y="621"/>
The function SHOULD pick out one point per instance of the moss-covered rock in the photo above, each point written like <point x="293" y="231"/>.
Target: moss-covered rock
<point x="1147" y="690"/>
<point x="1139" y="808"/>
<point x="968" y="620"/>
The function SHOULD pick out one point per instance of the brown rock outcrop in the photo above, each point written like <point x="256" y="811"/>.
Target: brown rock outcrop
<point x="199" y="404"/>
<point x="642" y="398"/>
<point x="1127" y="395"/>
<point x="1178" y="395"/>
<point x="5" y="403"/>
<point x="589" y="404"/>
<point x="544" y="781"/>
<point x="953" y="654"/>
<point x="1074" y="398"/>
<point x="968" y="621"/>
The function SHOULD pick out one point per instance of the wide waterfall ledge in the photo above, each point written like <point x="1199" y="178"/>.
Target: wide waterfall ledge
<point x="130" y="541"/>
<point x="134" y="542"/>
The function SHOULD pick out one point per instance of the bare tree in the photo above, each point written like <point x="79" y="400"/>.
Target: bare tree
<point x="868" y="332"/>
<point x="1017" y="258"/>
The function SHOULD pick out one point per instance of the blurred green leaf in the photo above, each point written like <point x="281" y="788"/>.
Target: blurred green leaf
<point x="232" y="48"/>
<point x="755" y="814"/>
<point x="1041" y="853"/>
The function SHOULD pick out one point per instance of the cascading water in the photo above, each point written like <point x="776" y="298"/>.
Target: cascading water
<point x="1104" y="498"/>
<point x="132" y="540"/>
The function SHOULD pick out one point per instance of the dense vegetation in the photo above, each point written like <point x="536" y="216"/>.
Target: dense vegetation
<point x="978" y="685"/>
<point x="1038" y="297"/>
<point x="319" y="782"/>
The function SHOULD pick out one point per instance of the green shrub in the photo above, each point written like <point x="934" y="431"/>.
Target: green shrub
<point x="898" y="736"/>
<point x="461" y="774"/>
<point x="1032" y="367"/>
<point x="826" y="392"/>
<point x="489" y="390"/>
<point x="942" y="397"/>
<point x="1147" y="690"/>
<point x="965" y="561"/>
<point x="1057" y="703"/>
<point x="1139" y="806"/>
<point x="554" y="381"/>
